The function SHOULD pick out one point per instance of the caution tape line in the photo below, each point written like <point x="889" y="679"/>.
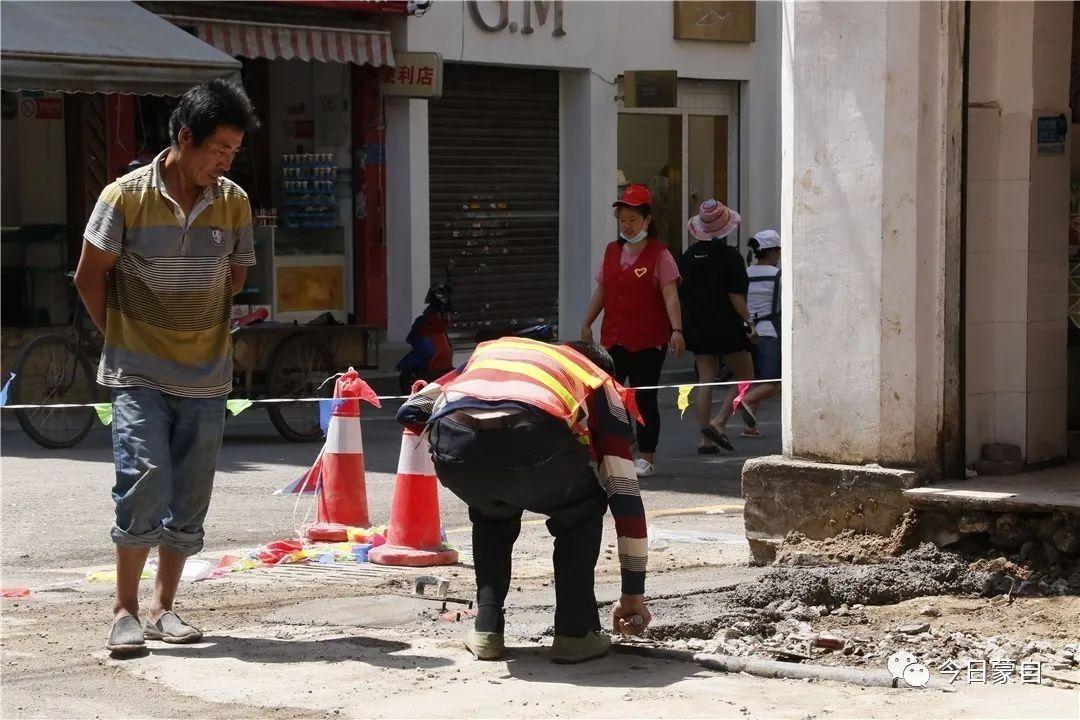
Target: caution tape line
<point x="269" y="401"/>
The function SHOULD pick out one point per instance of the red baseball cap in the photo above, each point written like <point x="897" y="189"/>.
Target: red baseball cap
<point x="634" y="196"/>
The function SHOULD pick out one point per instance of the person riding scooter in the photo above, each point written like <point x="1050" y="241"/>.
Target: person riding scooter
<point x="431" y="355"/>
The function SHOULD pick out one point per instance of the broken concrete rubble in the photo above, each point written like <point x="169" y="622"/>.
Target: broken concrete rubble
<point x="827" y="614"/>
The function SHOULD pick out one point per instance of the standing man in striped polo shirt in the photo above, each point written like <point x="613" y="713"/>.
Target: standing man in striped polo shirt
<point x="530" y="426"/>
<point x="165" y="250"/>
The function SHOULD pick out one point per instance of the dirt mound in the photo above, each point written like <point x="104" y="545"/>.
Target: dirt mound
<point x="927" y="570"/>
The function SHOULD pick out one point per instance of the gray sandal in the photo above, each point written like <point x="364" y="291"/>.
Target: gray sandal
<point x="171" y="629"/>
<point x="126" y="636"/>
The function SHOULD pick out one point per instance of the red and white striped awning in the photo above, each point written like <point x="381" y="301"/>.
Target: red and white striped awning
<point x="294" y="42"/>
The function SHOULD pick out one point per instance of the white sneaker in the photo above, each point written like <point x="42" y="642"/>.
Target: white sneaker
<point x="644" y="468"/>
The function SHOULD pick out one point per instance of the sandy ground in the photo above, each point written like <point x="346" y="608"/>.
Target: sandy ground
<point x="284" y="644"/>
<point x="364" y="649"/>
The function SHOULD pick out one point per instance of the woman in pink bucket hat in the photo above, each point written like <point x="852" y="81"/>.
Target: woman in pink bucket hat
<point x="714" y="221"/>
<point x="715" y="316"/>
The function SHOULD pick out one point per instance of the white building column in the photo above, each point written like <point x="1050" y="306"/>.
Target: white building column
<point x="869" y="214"/>
<point x="588" y="148"/>
<point x="408" y="229"/>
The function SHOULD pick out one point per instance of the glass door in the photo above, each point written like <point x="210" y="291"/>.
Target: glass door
<point x="708" y="160"/>
<point x="651" y="154"/>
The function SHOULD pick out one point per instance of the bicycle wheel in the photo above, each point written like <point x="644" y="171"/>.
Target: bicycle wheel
<point x="50" y="371"/>
<point x="297" y="368"/>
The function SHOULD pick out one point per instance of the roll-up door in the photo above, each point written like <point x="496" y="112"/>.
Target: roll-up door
<point x="494" y="164"/>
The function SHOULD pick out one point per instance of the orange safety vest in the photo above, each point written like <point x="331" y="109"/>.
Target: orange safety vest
<point x="553" y="378"/>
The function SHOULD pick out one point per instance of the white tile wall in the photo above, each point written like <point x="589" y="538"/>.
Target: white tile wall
<point x="1009" y="281"/>
<point x="1010" y="418"/>
<point x="1046" y="438"/>
<point x="1046" y="356"/>
<point x="1010" y="351"/>
<point x="979" y="358"/>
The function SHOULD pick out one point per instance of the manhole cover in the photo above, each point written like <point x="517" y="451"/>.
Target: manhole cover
<point x="372" y="611"/>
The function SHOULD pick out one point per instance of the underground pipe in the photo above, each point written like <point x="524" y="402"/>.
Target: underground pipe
<point x="769" y="668"/>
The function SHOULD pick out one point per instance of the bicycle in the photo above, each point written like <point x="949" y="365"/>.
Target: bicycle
<point x="280" y="360"/>
<point x="57" y="369"/>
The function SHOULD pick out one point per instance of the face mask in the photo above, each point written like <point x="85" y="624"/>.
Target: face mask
<point x="637" y="238"/>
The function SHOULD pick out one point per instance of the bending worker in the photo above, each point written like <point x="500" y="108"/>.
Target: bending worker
<point x="529" y="426"/>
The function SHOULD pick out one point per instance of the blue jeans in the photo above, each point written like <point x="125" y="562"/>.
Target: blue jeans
<point x="166" y="449"/>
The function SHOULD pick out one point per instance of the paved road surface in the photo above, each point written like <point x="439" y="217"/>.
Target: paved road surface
<point x="57" y="507"/>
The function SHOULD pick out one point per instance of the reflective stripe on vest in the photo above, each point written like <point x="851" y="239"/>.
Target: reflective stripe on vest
<point x="586" y="378"/>
<point x="552" y="378"/>
<point x="532" y="371"/>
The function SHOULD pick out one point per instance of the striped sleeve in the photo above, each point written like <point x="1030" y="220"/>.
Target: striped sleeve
<point x="105" y="228"/>
<point x="611" y="435"/>
<point x="415" y="412"/>
<point x="244" y="252"/>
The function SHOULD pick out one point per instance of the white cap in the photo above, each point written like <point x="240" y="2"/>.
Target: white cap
<point x="767" y="239"/>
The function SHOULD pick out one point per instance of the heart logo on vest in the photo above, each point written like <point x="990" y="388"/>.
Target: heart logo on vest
<point x="640" y="272"/>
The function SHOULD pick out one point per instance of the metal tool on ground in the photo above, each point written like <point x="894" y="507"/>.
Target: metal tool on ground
<point x="442" y="590"/>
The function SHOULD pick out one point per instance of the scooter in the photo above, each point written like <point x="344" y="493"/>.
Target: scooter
<point x="431" y="356"/>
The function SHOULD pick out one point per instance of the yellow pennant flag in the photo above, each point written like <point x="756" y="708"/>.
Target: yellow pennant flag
<point x="104" y="412"/>
<point x="684" y="398"/>
<point x="237" y="405"/>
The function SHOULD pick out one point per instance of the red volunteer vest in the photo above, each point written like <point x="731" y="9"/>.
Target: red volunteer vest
<point x="634" y="312"/>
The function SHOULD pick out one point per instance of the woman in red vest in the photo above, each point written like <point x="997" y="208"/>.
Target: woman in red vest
<point x="637" y="290"/>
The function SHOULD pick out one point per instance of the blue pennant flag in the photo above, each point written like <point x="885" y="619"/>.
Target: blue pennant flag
<point x="6" y="388"/>
<point x="326" y="409"/>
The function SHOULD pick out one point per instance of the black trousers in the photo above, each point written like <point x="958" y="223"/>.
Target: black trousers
<point x="534" y="464"/>
<point x="642" y="369"/>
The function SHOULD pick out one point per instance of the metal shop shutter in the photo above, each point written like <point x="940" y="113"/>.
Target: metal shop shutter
<point x="494" y="164"/>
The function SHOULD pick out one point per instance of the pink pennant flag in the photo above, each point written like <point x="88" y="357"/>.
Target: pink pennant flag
<point x="743" y="387"/>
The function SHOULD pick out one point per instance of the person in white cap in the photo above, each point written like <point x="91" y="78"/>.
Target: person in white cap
<point x="763" y="300"/>
<point x="715" y="316"/>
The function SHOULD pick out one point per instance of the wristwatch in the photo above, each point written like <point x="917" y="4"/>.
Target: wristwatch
<point x="676" y="330"/>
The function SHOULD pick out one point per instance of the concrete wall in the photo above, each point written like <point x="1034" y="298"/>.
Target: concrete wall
<point x="1017" y="237"/>
<point x="602" y="40"/>
<point x="865" y="210"/>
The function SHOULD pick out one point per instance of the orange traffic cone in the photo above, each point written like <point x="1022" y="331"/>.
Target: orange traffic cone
<point x="342" y="485"/>
<point x="413" y="537"/>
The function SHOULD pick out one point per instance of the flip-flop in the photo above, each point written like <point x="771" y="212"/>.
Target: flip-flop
<point x="752" y="434"/>
<point x="718" y="437"/>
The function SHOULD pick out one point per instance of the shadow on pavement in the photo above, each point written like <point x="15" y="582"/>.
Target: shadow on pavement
<point x="531" y="664"/>
<point x="360" y="648"/>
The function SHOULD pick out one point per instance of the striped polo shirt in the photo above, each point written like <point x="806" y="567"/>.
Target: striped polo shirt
<point x="170" y="293"/>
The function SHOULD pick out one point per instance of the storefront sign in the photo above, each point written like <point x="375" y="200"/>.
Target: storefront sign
<point x="417" y="75"/>
<point x="543" y="11"/>
<point x="42" y="108"/>
<point x="1050" y="134"/>
<point x="717" y="21"/>
<point x="650" y="89"/>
